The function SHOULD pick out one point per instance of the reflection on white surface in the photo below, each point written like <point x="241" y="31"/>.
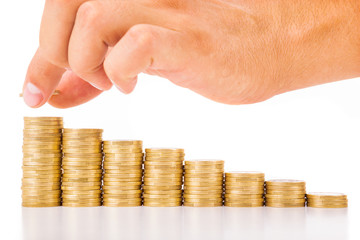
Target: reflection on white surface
<point x="135" y="223"/>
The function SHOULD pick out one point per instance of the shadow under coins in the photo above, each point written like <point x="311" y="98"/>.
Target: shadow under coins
<point x="178" y="223"/>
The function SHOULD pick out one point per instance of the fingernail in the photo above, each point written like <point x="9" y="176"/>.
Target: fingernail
<point x="94" y="85"/>
<point x="32" y="95"/>
<point x="119" y="88"/>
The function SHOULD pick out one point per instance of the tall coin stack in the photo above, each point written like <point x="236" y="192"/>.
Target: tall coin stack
<point x="244" y="189"/>
<point x="122" y="173"/>
<point x="163" y="177"/>
<point x="203" y="183"/>
<point x="285" y="193"/>
<point x="327" y="200"/>
<point x="42" y="162"/>
<point x="82" y="167"/>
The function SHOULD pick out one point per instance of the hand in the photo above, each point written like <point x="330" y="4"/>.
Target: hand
<point x="231" y="51"/>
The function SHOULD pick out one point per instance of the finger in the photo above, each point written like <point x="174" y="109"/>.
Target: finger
<point x="41" y="80"/>
<point x="150" y="48"/>
<point x="56" y="27"/>
<point x="73" y="91"/>
<point x="100" y="24"/>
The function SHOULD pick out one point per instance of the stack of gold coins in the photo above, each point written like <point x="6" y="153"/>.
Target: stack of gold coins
<point x="285" y="193"/>
<point x="203" y="183"/>
<point x="42" y="162"/>
<point x="122" y="173"/>
<point x="163" y="177"/>
<point x="327" y="200"/>
<point x="82" y="167"/>
<point x="244" y="189"/>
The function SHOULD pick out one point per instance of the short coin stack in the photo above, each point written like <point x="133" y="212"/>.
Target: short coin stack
<point x="42" y="162"/>
<point x="122" y="173"/>
<point x="244" y="189"/>
<point x="203" y="183"/>
<point x="327" y="200"/>
<point x="82" y="167"/>
<point x="285" y="193"/>
<point x="163" y="177"/>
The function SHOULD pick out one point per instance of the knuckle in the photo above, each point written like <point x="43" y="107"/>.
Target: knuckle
<point x="88" y="14"/>
<point x="141" y="35"/>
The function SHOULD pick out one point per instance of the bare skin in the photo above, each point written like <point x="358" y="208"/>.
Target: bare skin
<point x="230" y="51"/>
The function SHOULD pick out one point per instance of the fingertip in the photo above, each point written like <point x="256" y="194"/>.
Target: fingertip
<point x="33" y="96"/>
<point x="126" y="86"/>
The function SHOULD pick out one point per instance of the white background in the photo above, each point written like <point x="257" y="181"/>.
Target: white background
<point x="311" y="134"/>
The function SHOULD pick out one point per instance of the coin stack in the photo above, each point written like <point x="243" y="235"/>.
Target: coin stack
<point x="122" y="173"/>
<point x="42" y="162"/>
<point x="244" y="189"/>
<point x="163" y="177"/>
<point x="203" y="183"/>
<point x="82" y="167"/>
<point x="285" y="193"/>
<point x="327" y="200"/>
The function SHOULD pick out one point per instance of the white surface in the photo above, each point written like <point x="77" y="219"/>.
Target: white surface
<point x="311" y="134"/>
<point x="221" y="223"/>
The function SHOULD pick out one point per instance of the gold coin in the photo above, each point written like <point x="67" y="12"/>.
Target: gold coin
<point x="203" y="179"/>
<point x="199" y="192"/>
<point x="81" y="184"/>
<point x="162" y="184"/>
<point x="164" y="150"/>
<point x="285" y="182"/>
<point x="120" y="171"/>
<point x="164" y="200"/>
<point x="204" y="162"/>
<point x="124" y="175"/>
<point x="123" y="192"/>
<point x="284" y="205"/>
<point x="162" y="196"/>
<point x="121" y="167"/>
<point x="227" y="204"/>
<point x="203" y="184"/>
<point x="123" y="180"/>
<point x="122" y="200"/>
<point x="83" y="130"/>
<point x="251" y="201"/>
<point x="42" y="188"/>
<point x="79" y="188"/>
<point x="329" y="205"/>
<point x="160" y="192"/>
<point x="97" y="204"/>
<point x="124" y="187"/>
<point x="123" y="142"/>
<point x="203" y="171"/>
<point x="250" y="174"/>
<point x="123" y="155"/>
<point x="81" y="179"/>
<point x="188" y="204"/>
<point x="245" y="196"/>
<point x="85" y="175"/>
<point x="154" y="204"/>
<point x="296" y="196"/>
<point x="202" y="196"/>
<point x="159" y="171"/>
<point x="81" y="168"/>
<point x="202" y="188"/>
<point x="163" y="175"/>
<point x="123" y="163"/>
<point x="38" y="205"/>
<point x="161" y="188"/>
<point x="326" y="195"/>
<point x="281" y="192"/>
<point x="119" y="183"/>
<point x="164" y="159"/>
<point x="82" y="197"/>
<point x="204" y="175"/>
<point x="203" y="200"/>
<point x="164" y="168"/>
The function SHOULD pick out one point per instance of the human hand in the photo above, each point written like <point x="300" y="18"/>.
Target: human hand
<point x="233" y="52"/>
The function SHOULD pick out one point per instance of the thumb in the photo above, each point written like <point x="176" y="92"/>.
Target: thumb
<point x="41" y="80"/>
